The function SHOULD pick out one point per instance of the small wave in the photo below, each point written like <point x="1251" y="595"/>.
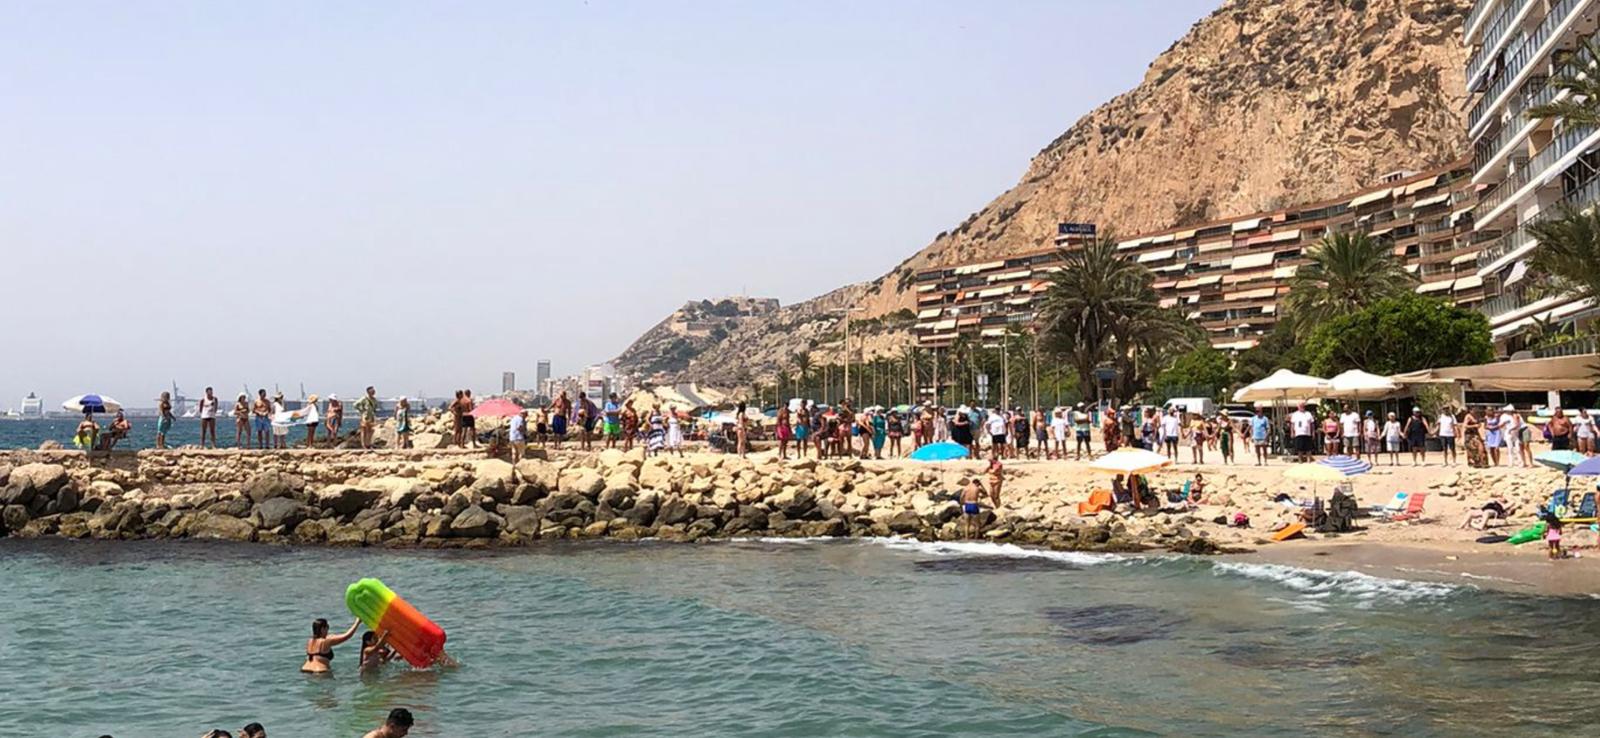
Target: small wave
<point x="1320" y="584"/>
<point x="981" y="548"/>
<point x="781" y="539"/>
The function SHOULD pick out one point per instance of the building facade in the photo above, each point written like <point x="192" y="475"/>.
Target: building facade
<point x="1527" y="168"/>
<point x="1228" y="275"/>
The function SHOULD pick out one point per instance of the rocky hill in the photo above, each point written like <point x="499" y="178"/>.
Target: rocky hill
<point x="1264" y="103"/>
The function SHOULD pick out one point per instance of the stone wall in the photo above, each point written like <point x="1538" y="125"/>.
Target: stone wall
<point x="443" y="498"/>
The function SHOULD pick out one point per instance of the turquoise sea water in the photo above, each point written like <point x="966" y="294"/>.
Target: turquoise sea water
<point x="856" y="638"/>
<point x="185" y="431"/>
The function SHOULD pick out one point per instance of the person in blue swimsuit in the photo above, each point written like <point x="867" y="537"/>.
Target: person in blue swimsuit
<point x="971" y="493"/>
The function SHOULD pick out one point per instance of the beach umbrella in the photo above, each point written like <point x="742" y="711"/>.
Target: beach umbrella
<point x="1283" y="385"/>
<point x="92" y="403"/>
<point x="1130" y="461"/>
<point x="1561" y="461"/>
<point x="498" y="407"/>
<point x="945" y="451"/>
<point x="1590" y="467"/>
<point x="1314" y="472"/>
<point x="1347" y="465"/>
<point x="1359" y="385"/>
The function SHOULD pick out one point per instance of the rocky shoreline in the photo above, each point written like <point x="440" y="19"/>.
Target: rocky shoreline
<point x="457" y="499"/>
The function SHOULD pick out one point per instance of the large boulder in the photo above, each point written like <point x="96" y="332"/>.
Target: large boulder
<point x="675" y="511"/>
<point x="475" y="522"/>
<point x="223" y="527"/>
<point x="344" y="499"/>
<point x="30" y="481"/>
<point x="278" y="511"/>
<point x="12" y="518"/>
<point x="272" y="484"/>
<point x="541" y="474"/>
<point x="583" y="481"/>
<point x="428" y="441"/>
<point x="522" y="519"/>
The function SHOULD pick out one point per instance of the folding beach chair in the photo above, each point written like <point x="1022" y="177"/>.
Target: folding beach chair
<point x="1586" y="505"/>
<point x="1559" y="500"/>
<point x="1413" y="509"/>
<point x="1394" y="507"/>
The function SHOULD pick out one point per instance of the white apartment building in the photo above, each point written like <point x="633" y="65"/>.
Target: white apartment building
<point x="1525" y="169"/>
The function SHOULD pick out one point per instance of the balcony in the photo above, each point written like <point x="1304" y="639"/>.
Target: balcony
<point x="1534" y="47"/>
<point x="1493" y="202"/>
<point x="1586" y="195"/>
<point x="1494" y="33"/>
<point x="1480" y="10"/>
<point x="1493" y="149"/>
<point x="1575" y="347"/>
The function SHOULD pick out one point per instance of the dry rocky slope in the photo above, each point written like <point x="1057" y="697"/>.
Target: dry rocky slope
<point x="1263" y="104"/>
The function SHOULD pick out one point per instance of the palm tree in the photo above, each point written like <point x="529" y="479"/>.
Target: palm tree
<point x="1348" y="271"/>
<point x="1569" y="250"/>
<point x="802" y="367"/>
<point x="1580" y="78"/>
<point x="1096" y="289"/>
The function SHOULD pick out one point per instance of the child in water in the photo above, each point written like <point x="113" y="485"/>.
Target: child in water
<point x="971" y="493"/>
<point x="375" y="651"/>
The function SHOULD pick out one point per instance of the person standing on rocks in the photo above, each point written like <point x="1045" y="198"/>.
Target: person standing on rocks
<point x="561" y="413"/>
<point x="674" y="431"/>
<point x="802" y="428"/>
<point x="613" y="421"/>
<point x="402" y="423"/>
<point x="995" y="426"/>
<point x="518" y="435"/>
<point x="208" y="419"/>
<point x="310" y="422"/>
<point x="587" y="417"/>
<point x="455" y="420"/>
<point x="741" y="430"/>
<point x="1171" y="429"/>
<point x="971" y="495"/>
<point x="261" y="419"/>
<point x="367" y="411"/>
<point x="335" y="420"/>
<point x="1081" y="425"/>
<point x="1260" y="428"/>
<point x="241" y="421"/>
<point x="164" y="419"/>
<point x="469" y="424"/>
<point x="280" y="433"/>
<point x="785" y="431"/>
<point x="630" y="425"/>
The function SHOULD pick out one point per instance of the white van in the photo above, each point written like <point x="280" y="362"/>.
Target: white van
<point x="1202" y="405"/>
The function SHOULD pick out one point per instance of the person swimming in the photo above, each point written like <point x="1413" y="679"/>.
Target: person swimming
<point x="319" y="648"/>
<point x="375" y="651"/>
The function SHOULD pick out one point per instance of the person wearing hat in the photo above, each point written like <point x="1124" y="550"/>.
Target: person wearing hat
<point x="280" y="433"/>
<point x="1417" y="431"/>
<point x="1369" y="437"/>
<point x="1511" y="426"/>
<point x="311" y="421"/>
<point x="335" y="419"/>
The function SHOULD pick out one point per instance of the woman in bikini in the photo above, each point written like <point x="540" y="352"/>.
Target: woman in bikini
<point x="319" y="648"/>
<point x="241" y="421"/>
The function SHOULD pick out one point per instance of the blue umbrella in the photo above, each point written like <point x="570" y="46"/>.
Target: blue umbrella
<point x="1347" y="465"/>
<point x="945" y="451"/>
<point x="1589" y="467"/>
<point x="1561" y="461"/>
<point x="92" y="403"/>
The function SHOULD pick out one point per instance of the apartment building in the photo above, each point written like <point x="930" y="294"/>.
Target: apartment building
<point x="1527" y="168"/>
<point x="1228" y="275"/>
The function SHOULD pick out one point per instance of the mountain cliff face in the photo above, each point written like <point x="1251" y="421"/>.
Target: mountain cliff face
<point x="1263" y="104"/>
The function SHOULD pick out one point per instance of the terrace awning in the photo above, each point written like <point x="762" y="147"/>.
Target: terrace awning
<point x="1430" y="201"/>
<point x="1464" y="258"/>
<point x="1527" y="375"/>
<point x="1150" y="256"/>
<point x="1249" y="224"/>
<point x="1252" y="261"/>
<point x="1466" y="283"/>
<point x="1420" y="185"/>
<point x="1289" y="235"/>
<point x="1424" y="289"/>
<point x="929" y="313"/>
<point x="1371" y="197"/>
<point x="1206" y="248"/>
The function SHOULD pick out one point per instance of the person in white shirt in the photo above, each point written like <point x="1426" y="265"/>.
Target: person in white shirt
<point x="1350" y="430"/>
<point x="996" y="428"/>
<point x="1369" y="438"/>
<point x="1511" y="433"/>
<point x="1583" y="430"/>
<point x="208" y="420"/>
<point x="1447" y="435"/>
<point x="1301" y="424"/>
<point x="1392" y="438"/>
<point x="1058" y="432"/>
<point x="1171" y="428"/>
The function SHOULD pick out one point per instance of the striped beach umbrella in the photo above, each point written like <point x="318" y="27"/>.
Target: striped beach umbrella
<point x="1347" y="465"/>
<point x="92" y="403"/>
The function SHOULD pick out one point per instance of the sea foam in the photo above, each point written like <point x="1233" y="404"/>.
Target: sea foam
<point x="1320" y="583"/>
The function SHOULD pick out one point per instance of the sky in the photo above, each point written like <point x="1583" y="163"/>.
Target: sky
<point x="420" y="196"/>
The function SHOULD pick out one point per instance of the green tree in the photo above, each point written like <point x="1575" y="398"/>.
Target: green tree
<point x="1579" y="78"/>
<point x="802" y="368"/>
<point x="1348" y="271"/>
<point x="1400" y="334"/>
<point x="1090" y="304"/>
<point x="1569" y="251"/>
<point x="1202" y="370"/>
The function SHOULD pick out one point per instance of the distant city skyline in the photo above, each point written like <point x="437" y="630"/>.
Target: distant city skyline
<point x="419" y="197"/>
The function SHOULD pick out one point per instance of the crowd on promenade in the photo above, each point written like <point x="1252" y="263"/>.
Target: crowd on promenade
<point x="1486" y="436"/>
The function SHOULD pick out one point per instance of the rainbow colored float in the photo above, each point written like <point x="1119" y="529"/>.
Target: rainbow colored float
<point x="417" y="639"/>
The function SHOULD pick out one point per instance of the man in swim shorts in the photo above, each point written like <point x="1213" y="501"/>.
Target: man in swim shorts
<point x="396" y="726"/>
<point x="971" y="493"/>
<point x="612" y="429"/>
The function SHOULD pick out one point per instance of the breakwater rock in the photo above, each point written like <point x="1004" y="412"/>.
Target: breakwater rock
<point x="439" y="498"/>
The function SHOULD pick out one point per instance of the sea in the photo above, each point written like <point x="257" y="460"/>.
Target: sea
<point x="781" y="638"/>
<point x="30" y="432"/>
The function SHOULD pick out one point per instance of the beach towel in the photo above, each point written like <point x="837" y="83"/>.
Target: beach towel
<point x="1099" y="499"/>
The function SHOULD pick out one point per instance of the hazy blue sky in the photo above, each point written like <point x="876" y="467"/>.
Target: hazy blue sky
<point x="423" y="195"/>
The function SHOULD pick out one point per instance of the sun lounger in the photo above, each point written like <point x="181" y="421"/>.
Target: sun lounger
<point x="1394" y="507"/>
<point x="1413" y="509"/>
<point x="1559" y="500"/>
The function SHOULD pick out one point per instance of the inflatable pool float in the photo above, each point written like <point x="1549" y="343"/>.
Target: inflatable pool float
<point x="417" y="639"/>
<point x="1531" y="533"/>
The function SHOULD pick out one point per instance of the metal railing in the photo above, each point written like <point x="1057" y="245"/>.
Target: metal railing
<point x="1503" y="304"/>
<point x="1519" y="59"/>
<point x="1559" y="147"/>
<point x="1479" y="9"/>
<point x="1575" y="347"/>
<point x="1586" y="194"/>
<point x="1515" y="125"/>
<point x="1492" y="36"/>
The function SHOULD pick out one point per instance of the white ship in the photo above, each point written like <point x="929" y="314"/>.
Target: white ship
<point x="12" y="414"/>
<point x="32" y="406"/>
